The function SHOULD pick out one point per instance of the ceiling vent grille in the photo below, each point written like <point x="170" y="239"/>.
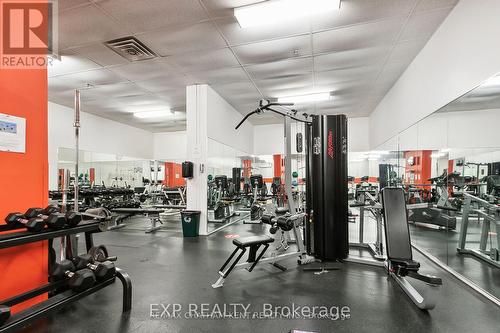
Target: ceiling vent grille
<point x="131" y="48"/>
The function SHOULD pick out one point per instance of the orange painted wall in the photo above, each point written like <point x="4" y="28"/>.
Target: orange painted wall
<point x="277" y="162"/>
<point x="24" y="178"/>
<point x="421" y="169"/>
<point x="451" y="163"/>
<point x="173" y="175"/>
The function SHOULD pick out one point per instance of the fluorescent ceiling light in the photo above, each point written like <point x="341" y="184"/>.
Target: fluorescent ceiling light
<point x="152" y="114"/>
<point x="444" y="150"/>
<point x="437" y="155"/>
<point x="318" y="97"/>
<point x="276" y="11"/>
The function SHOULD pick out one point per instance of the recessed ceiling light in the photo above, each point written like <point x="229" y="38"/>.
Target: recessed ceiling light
<point x="277" y="11"/>
<point x="318" y="97"/>
<point x="152" y="114"/>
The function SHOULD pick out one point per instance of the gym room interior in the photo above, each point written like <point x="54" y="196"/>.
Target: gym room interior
<point x="284" y="166"/>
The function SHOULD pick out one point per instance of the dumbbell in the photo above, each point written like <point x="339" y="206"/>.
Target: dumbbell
<point x="78" y="281"/>
<point x="51" y="215"/>
<point x="73" y="218"/>
<point x="34" y="225"/>
<point x="102" y="270"/>
<point x="41" y="212"/>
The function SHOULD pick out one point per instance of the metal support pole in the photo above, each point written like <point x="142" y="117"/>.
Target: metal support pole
<point x="288" y="165"/>
<point x="76" y="125"/>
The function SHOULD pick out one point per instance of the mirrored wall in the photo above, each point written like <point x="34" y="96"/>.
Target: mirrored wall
<point x="242" y="187"/>
<point x="449" y="167"/>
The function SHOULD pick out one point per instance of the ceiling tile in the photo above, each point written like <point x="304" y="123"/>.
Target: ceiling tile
<point x="100" y="54"/>
<point x="236" y="35"/>
<point x="405" y="52"/>
<point x="424" y="25"/>
<point x="351" y="58"/>
<point x="83" y="79"/>
<point x="273" y="87"/>
<point x="141" y="16"/>
<point x="70" y="64"/>
<point x="434" y="4"/>
<point x="204" y="61"/>
<point x="175" y="98"/>
<point x="67" y="4"/>
<point x="354" y="12"/>
<point x="223" y="8"/>
<point x="166" y="82"/>
<point x="107" y="92"/>
<point x="274" y="50"/>
<point x="281" y="68"/>
<point x="237" y="88"/>
<point x="219" y="76"/>
<point x="197" y="37"/>
<point x="356" y="37"/>
<point x="146" y="70"/>
<point x="362" y="75"/>
<point x="83" y="25"/>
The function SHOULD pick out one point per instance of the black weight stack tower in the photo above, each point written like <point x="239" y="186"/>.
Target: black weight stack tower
<point x="237" y="180"/>
<point x="327" y="201"/>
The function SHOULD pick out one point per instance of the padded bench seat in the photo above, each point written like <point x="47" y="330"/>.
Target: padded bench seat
<point x="281" y="210"/>
<point x="252" y="240"/>
<point x="408" y="264"/>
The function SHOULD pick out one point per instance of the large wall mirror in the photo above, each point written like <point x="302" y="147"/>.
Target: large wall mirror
<point x="451" y="161"/>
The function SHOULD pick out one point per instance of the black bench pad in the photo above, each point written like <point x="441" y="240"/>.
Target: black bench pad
<point x="408" y="264"/>
<point x="281" y="210"/>
<point x="253" y="240"/>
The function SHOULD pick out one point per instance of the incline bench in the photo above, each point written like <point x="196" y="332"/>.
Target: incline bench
<point x="400" y="263"/>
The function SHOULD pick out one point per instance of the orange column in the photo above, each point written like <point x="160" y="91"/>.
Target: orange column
<point x="277" y="165"/>
<point x="23" y="93"/>
<point x="420" y="171"/>
<point x="247" y="168"/>
<point x="173" y="175"/>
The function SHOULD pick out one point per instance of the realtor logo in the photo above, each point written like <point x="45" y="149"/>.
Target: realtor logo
<point x="27" y="33"/>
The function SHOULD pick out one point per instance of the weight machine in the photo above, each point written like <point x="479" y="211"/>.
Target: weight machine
<point x="490" y="213"/>
<point x="324" y="237"/>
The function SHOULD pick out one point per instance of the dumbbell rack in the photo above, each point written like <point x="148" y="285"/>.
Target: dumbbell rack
<point x="56" y="302"/>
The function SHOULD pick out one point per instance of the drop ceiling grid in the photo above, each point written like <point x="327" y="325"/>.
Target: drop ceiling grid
<point x="203" y="73"/>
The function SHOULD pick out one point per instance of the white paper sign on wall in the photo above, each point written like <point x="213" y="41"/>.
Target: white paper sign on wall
<point x="12" y="133"/>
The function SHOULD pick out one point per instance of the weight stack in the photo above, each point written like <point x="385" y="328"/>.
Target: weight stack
<point x="237" y="180"/>
<point x="327" y="228"/>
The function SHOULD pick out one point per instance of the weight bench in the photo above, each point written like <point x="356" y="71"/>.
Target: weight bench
<point x="254" y="243"/>
<point x="400" y="263"/>
<point x="152" y="213"/>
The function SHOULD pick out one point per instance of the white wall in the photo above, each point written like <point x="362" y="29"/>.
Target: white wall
<point x="96" y="135"/>
<point x="463" y="130"/>
<point x="269" y="139"/>
<point x="170" y="146"/>
<point x="222" y="119"/>
<point x="459" y="56"/>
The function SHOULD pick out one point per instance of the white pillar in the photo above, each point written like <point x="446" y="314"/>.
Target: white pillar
<point x="197" y="145"/>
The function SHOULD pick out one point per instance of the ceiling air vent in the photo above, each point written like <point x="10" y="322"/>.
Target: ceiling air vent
<point x="131" y="48"/>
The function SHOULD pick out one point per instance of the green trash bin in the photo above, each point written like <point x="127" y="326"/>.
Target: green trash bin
<point x="190" y="222"/>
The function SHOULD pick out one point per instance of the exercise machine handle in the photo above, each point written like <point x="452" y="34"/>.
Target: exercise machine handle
<point x="246" y="117"/>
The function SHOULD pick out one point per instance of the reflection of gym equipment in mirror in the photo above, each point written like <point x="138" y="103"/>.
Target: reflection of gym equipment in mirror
<point x="372" y="206"/>
<point x="489" y="216"/>
<point x="433" y="210"/>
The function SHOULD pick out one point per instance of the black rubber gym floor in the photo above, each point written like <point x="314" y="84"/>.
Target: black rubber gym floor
<point x="167" y="268"/>
<point x="443" y="245"/>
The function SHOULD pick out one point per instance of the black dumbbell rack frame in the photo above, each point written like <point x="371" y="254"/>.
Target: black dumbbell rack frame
<point x="54" y="303"/>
